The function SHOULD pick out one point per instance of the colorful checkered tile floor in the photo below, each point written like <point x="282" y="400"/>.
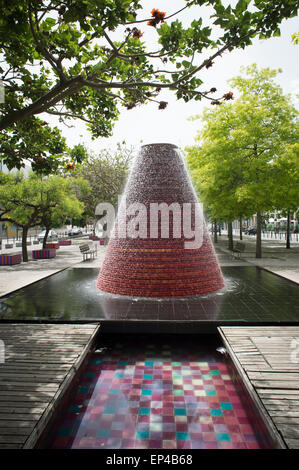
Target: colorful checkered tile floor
<point x="162" y="394"/>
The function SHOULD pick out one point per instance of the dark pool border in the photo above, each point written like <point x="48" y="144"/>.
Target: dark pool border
<point x="155" y="326"/>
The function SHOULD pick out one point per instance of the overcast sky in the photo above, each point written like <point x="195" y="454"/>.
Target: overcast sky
<point x="147" y="124"/>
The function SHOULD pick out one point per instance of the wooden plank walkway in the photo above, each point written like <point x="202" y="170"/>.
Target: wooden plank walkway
<point x="40" y="362"/>
<point x="268" y="360"/>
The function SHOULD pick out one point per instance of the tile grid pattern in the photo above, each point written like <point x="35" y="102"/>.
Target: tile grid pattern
<point x="157" y="398"/>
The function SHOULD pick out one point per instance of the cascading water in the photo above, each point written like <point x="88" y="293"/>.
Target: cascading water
<point x="152" y="264"/>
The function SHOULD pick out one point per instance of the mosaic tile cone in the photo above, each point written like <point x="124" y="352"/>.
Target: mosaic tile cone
<point x="158" y="267"/>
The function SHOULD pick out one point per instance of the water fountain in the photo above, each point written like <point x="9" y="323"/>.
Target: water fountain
<point x="160" y="266"/>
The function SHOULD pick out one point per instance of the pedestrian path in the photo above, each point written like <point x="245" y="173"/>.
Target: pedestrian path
<point x="276" y="258"/>
<point x="20" y="275"/>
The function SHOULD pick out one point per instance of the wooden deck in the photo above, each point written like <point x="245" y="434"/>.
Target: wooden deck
<point x="267" y="358"/>
<point x="40" y="362"/>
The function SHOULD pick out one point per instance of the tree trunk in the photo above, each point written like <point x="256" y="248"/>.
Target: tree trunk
<point x="215" y="231"/>
<point x="45" y="237"/>
<point x="241" y="234"/>
<point x="230" y="236"/>
<point x="24" y="244"/>
<point x="258" y="247"/>
<point x="288" y="243"/>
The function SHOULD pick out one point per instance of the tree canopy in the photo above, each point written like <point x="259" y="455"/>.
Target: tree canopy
<point x="106" y="175"/>
<point x="32" y="201"/>
<point x="81" y="59"/>
<point x="246" y="149"/>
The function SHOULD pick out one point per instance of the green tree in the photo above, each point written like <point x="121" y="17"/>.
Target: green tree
<point x="59" y="202"/>
<point x="239" y="143"/>
<point x="32" y="201"/>
<point x="285" y="193"/>
<point x="79" y="59"/>
<point x="106" y="174"/>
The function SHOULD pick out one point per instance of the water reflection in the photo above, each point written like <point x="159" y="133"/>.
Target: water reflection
<point x="251" y="294"/>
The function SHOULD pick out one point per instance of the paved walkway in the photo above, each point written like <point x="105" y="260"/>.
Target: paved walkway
<point x="275" y="258"/>
<point x="20" y="275"/>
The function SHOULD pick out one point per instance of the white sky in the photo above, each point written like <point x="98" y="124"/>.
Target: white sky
<point x="146" y="124"/>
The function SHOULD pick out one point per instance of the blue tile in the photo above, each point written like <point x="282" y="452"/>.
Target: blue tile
<point x="226" y="406"/>
<point x="144" y="411"/>
<point x="216" y="412"/>
<point x="211" y="393"/>
<point x="223" y="437"/>
<point x="103" y="433"/>
<point x="109" y="410"/>
<point x="142" y="434"/>
<point x="182" y="436"/>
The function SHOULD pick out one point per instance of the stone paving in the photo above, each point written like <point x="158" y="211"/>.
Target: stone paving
<point x="276" y="258"/>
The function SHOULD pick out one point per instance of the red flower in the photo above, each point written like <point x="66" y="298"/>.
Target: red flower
<point x="163" y="104"/>
<point x="152" y="23"/>
<point x="157" y="17"/>
<point x="228" y="96"/>
<point x="209" y="63"/>
<point x="70" y="166"/>
<point x="137" y="33"/>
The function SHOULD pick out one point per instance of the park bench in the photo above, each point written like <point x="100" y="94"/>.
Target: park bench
<point x="87" y="251"/>
<point x="238" y="249"/>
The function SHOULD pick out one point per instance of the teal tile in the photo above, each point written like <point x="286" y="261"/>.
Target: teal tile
<point x="216" y="412"/>
<point x="64" y="432"/>
<point x="75" y="409"/>
<point x="147" y="376"/>
<point x="83" y="389"/>
<point x="119" y="376"/>
<point x="176" y="364"/>
<point x="179" y="412"/>
<point x="142" y="434"/>
<point x="214" y="372"/>
<point x="210" y="393"/>
<point x="182" y="436"/>
<point x="223" y="437"/>
<point x="226" y="406"/>
<point x="97" y="361"/>
<point x="149" y="364"/>
<point x="90" y="375"/>
<point x="114" y="391"/>
<point x="178" y="393"/>
<point x="144" y="411"/>
<point x="103" y="433"/>
<point x="146" y="392"/>
<point x="109" y="410"/>
<point x="122" y="363"/>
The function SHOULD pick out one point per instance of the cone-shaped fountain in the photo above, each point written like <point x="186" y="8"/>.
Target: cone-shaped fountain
<point x="142" y="259"/>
